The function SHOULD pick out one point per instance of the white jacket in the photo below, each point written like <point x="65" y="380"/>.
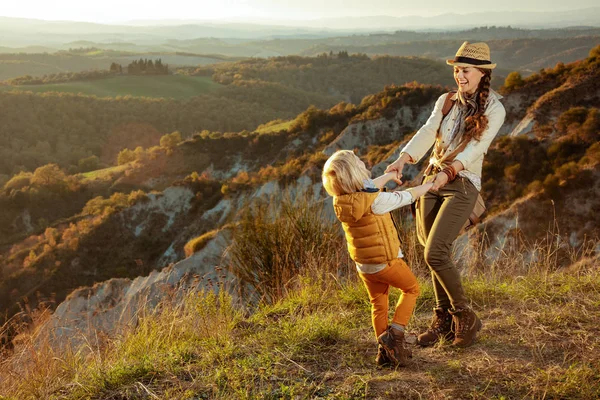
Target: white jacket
<point x="472" y="156"/>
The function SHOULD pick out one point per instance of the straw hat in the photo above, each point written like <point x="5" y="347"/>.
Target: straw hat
<point x="472" y="55"/>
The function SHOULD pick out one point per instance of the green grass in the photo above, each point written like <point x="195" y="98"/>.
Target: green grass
<point x="104" y="173"/>
<point x="266" y="128"/>
<point x="540" y="340"/>
<point x="168" y="86"/>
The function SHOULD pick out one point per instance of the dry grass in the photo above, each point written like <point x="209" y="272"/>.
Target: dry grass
<point x="540" y="340"/>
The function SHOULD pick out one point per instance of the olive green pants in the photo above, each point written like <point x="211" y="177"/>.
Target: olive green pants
<point x="440" y="217"/>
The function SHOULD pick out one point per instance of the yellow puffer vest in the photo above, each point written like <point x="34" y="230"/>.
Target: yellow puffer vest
<point x="372" y="239"/>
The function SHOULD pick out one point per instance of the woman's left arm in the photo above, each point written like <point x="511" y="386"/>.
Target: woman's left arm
<point x="476" y="148"/>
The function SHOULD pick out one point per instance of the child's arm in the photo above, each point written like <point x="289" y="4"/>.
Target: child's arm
<point x="420" y="190"/>
<point x="388" y="201"/>
<point x="380" y="181"/>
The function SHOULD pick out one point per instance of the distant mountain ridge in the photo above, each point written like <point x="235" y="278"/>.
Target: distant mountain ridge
<point x="23" y="32"/>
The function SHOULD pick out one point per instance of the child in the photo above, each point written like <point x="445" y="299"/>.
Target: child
<point x="373" y="243"/>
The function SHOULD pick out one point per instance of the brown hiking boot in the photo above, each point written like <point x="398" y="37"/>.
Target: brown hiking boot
<point x="382" y="359"/>
<point x="441" y="327"/>
<point x="393" y="342"/>
<point x="466" y="326"/>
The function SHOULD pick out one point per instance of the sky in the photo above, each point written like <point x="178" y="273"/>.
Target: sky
<point x="116" y="11"/>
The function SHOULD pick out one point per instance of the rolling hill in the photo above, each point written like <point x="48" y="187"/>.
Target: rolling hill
<point x="169" y="86"/>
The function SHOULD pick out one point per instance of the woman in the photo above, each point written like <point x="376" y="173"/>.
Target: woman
<point x="461" y="139"/>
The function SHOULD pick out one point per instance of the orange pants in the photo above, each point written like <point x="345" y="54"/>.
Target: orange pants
<point x="398" y="275"/>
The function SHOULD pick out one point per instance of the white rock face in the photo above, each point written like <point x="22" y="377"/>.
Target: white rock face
<point x="364" y="133"/>
<point x="110" y="307"/>
<point x="172" y="202"/>
<point x="220" y="212"/>
<point x="223" y="174"/>
<point x="524" y="127"/>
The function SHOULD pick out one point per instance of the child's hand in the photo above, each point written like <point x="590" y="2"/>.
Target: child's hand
<point x="380" y="181"/>
<point x="393" y="175"/>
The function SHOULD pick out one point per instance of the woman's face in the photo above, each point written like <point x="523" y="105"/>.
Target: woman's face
<point x="467" y="78"/>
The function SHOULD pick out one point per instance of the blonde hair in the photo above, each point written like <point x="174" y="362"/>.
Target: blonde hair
<point x="342" y="173"/>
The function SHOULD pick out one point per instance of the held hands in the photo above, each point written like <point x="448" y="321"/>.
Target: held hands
<point x="385" y="178"/>
<point x="397" y="167"/>
<point x="439" y="181"/>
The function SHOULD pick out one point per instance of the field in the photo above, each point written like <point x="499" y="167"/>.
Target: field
<point x="274" y="127"/>
<point x="174" y="86"/>
<point x="104" y="173"/>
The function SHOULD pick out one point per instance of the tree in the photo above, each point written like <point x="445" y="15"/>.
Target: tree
<point x="19" y="181"/>
<point x="169" y="141"/>
<point x="48" y="175"/>
<point x="115" y="68"/>
<point x="89" y="164"/>
<point x="513" y="81"/>
<point x="125" y="156"/>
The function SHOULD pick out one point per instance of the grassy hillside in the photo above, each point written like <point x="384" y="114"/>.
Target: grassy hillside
<point x="540" y="337"/>
<point x="317" y="343"/>
<point x="169" y="86"/>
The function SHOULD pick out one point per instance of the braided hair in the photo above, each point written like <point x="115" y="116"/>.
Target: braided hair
<point x="477" y="123"/>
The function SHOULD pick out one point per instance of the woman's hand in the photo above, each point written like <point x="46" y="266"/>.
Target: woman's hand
<point x="398" y="166"/>
<point x="439" y="181"/>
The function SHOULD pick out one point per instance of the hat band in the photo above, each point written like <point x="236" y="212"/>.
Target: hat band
<point x="469" y="60"/>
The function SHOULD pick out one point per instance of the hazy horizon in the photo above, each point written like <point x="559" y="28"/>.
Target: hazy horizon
<point x="119" y="12"/>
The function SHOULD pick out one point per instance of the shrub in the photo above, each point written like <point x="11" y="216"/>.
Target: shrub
<point x="125" y="156"/>
<point x="592" y="155"/>
<point x="534" y="187"/>
<point x="171" y="140"/>
<point x="19" y="181"/>
<point x="198" y="243"/>
<point x="567" y="170"/>
<point x="282" y="238"/>
<point x="513" y="81"/>
<point x="89" y="164"/>
<point x="571" y="116"/>
<point x="590" y="129"/>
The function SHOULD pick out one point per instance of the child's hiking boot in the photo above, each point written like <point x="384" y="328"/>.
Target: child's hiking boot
<point x="441" y="327"/>
<point x="382" y="359"/>
<point x="466" y="325"/>
<point x="393" y="342"/>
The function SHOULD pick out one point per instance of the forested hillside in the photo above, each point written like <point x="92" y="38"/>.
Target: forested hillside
<point x="62" y="128"/>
